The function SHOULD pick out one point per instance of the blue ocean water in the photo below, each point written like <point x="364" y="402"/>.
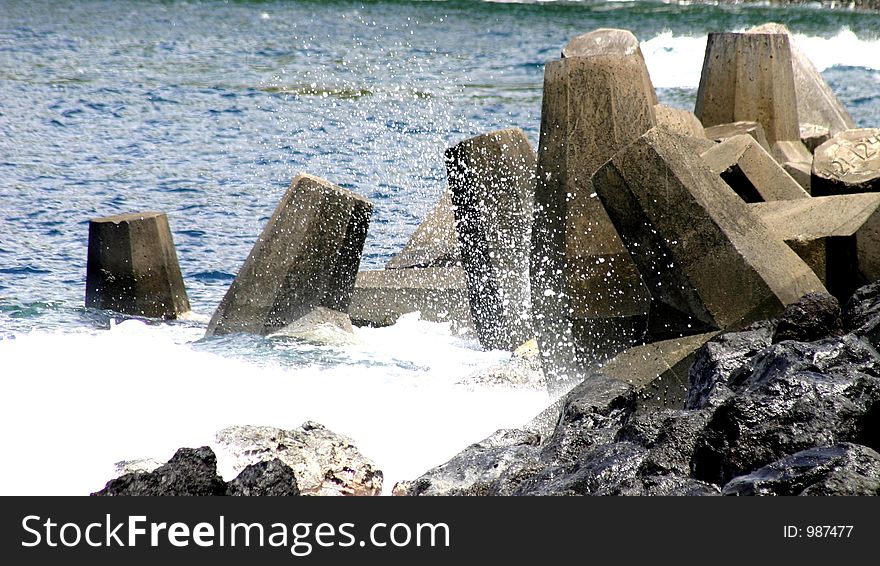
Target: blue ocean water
<point x="207" y="109"/>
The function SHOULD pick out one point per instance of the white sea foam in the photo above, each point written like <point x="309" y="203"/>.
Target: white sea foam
<point x="73" y="404"/>
<point x="675" y="61"/>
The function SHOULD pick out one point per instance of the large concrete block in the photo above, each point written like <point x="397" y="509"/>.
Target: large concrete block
<point x="748" y="76"/>
<point x="845" y="229"/>
<point x="816" y="102"/>
<point x="813" y="136"/>
<point x="611" y="41"/>
<point x="492" y="180"/>
<point x="750" y="171"/>
<point x="306" y="257"/>
<point x="708" y="262"/>
<point x="435" y="241"/>
<point x="439" y="294"/>
<point x="592" y="107"/>
<point x="848" y="163"/>
<point x="659" y="371"/>
<point x="723" y="132"/>
<point x="132" y="267"/>
<point x="680" y="121"/>
<point x="802" y="173"/>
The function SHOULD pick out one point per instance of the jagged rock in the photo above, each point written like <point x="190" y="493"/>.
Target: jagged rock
<point x="324" y="463"/>
<point x="862" y="313"/>
<point x="842" y="469"/>
<point x="488" y="467"/>
<point x="270" y="478"/>
<point x="790" y="397"/>
<point x="814" y="317"/>
<point x="191" y="471"/>
<point x="670" y="436"/>
<point x="716" y="361"/>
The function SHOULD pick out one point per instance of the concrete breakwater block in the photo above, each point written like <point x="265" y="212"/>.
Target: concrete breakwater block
<point x="439" y="294"/>
<point x="708" y="262"/>
<point x="748" y="76"/>
<point x="750" y="171"/>
<point x="816" y="102"/>
<point x="492" y="179"/>
<point x="306" y="257"/>
<point x="812" y="136"/>
<point x="659" y="372"/>
<point x="722" y="132"/>
<point x="132" y="266"/>
<point x="610" y="41"/>
<point x="679" y="120"/>
<point x="592" y="107"/>
<point x="843" y="231"/>
<point x="435" y="241"/>
<point x="848" y="163"/>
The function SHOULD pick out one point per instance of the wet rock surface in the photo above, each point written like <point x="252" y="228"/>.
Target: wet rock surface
<point x="783" y="407"/>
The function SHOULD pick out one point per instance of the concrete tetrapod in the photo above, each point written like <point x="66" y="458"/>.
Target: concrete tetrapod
<point x="132" y="266"/>
<point x="848" y="163"/>
<point x="592" y="107"/>
<point x="709" y="263"/>
<point x="838" y="235"/>
<point x="306" y="257"/>
<point x="492" y="179"/>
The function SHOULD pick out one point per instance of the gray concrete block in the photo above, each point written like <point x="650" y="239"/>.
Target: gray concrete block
<point x="492" y="180"/>
<point x="791" y="151"/>
<point x="800" y="172"/>
<point x="306" y="257"/>
<point x="708" y="261"/>
<point x="435" y="241"/>
<point x="610" y="41"/>
<point x="382" y="296"/>
<point x="843" y="230"/>
<point x="750" y="171"/>
<point x="723" y="132"/>
<point x="748" y="76"/>
<point x="592" y="107"/>
<point x="659" y="371"/>
<point x="816" y="102"/>
<point x="848" y="163"/>
<point x="679" y="121"/>
<point x="132" y="267"/>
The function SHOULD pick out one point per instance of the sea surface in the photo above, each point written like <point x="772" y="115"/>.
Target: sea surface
<point x="206" y="110"/>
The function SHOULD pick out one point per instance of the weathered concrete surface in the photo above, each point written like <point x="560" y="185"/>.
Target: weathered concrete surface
<point x="324" y="462"/>
<point x="791" y="151"/>
<point x="440" y="294"/>
<point x="435" y="241"/>
<point x="658" y="371"/>
<point x="610" y="41"/>
<point x="802" y="173"/>
<point x="132" y="266"/>
<point x="750" y="171"/>
<point x="722" y="132"/>
<point x="708" y="261"/>
<point x="846" y="227"/>
<point x="848" y="163"/>
<point x="748" y="76"/>
<point x="592" y="107"/>
<point x="307" y="256"/>
<point x="816" y="102"/>
<point x="492" y="180"/>
<point x="813" y="135"/>
<point x="678" y="120"/>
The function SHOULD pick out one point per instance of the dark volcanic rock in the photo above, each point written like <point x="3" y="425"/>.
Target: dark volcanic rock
<point x="792" y="397"/>
<point x="842" y="469"/>
<point x="488" y="467"/>
<point x="719" y="358"/>
<point x="862" y="313"/>
<point x="814" y="317"/>
<point x="191" y="471"/>
<point x="670" y="437"/>
<point x="271" y="478"/>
